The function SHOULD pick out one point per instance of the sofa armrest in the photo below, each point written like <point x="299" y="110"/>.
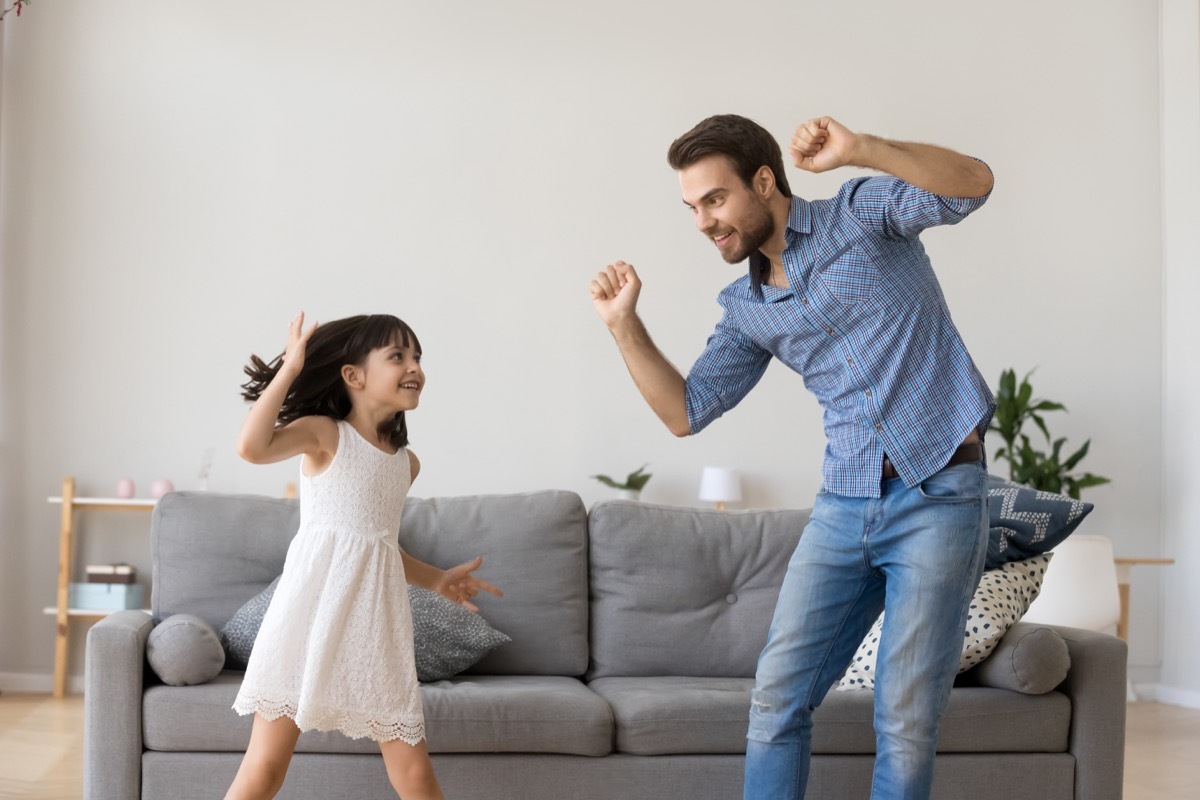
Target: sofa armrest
<point x="112" y="706"/>
<point x="1096" y="685"/>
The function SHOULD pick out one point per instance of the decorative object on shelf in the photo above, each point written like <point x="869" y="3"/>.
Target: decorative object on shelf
<point x="104" y="596"/>
<point x="111" y="573"/>
<point x="720" y="485"/>
<point x="205" y="468"/>
<point x="160" y="487"/>
<point x="631" y="488"/>
<point x="16" y="6"/>
<point x="1015" y="405"/>
<point x="126" y="488"/>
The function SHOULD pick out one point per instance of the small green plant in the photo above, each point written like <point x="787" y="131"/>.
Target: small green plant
<point x="634" y="482"/>
<point x="1048" y="472"/>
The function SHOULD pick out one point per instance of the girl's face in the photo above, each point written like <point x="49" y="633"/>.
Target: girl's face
<point x="393" y="377"/>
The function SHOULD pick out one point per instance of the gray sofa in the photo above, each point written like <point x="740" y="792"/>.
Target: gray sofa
<point x="635" y="633"/>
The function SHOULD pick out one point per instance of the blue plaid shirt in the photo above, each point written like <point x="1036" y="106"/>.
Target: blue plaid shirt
<point x="865" y="324"/>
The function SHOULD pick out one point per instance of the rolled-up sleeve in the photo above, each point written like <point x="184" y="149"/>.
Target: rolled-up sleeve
<point x="894" y="209"/>
<point x="730" y="366"/>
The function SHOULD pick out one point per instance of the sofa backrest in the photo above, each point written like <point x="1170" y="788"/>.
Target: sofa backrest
<point x="212" y="552"/>
<point x="682" y="591"/>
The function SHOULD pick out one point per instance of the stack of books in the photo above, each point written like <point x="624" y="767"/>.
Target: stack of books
<point x="109" y="587"/>
<point x="111" y="573"/>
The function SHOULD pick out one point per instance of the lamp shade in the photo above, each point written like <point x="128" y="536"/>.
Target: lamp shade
<point x="720" y="485"/>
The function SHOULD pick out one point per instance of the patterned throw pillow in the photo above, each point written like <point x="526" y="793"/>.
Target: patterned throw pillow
<point x="1025" y="522"/>
<point x="239" y="633"/>
<point x="1003" y="596"/>
<point x="447" y="638"/>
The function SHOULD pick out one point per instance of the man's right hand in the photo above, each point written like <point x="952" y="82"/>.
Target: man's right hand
<point x="615" y="291"/>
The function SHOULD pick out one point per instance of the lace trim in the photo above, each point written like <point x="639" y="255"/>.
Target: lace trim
<point x="411" y="731"/>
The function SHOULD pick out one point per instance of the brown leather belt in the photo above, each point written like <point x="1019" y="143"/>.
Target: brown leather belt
<point x="967" y="453"/>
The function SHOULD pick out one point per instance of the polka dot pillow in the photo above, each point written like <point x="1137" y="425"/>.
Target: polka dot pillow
<point x="1003" y="597"/>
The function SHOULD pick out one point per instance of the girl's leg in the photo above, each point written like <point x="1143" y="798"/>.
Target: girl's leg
<point x="265" y="764"/>
<point x="410" y="770"/>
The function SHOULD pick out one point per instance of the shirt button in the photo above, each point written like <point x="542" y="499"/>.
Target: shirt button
<point x="731" y="598"/>
<point x="829" y="331"/>
<point x="867" y="392"/>
<point x="879" y="427"/>
<point x="804" y="300"/>
<point x="850" y="361"/>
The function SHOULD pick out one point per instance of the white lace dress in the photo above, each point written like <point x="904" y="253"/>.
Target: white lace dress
<point x="335" y="650"/>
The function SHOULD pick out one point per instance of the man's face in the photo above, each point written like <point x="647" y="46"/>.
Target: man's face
<point x="736" y="219"/>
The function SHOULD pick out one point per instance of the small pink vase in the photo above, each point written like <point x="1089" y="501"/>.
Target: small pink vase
<point x="160" y="487"/>
<point x="125" y="488"/>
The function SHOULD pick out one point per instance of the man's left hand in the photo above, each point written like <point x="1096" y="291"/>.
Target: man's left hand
<point x="822" y="144"/>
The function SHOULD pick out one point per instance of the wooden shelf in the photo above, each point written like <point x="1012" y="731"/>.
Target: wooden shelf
<point x="90" y="612"/>
<point x="62" y="611"/>
<point x="114" y="503"/>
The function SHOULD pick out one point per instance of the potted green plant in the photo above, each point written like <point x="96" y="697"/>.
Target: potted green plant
<point x="631" y="488"/>
<point x="1048" y="472"/>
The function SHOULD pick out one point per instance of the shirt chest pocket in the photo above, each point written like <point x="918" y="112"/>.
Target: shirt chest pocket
<point x="851" y="276"/>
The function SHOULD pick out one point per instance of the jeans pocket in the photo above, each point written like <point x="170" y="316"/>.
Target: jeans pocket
<point x="962" y="483"/>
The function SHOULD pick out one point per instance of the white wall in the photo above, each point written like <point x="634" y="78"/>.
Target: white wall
<point x="178" y="179"/>
<point x="1181" y="258"/>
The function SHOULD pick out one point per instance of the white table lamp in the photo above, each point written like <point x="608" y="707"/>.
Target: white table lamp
<point x="720" y="485"/>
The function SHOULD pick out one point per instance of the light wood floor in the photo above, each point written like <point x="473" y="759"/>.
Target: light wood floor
<point x="41" y="749"/>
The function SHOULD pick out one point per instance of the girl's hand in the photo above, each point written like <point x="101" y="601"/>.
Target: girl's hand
<point x="293" y="355"/>
<point x="459" y="585"/>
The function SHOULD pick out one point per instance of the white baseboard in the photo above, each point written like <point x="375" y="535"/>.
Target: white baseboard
<point x="36" y="683"/>
<point x="1177" y="697"/>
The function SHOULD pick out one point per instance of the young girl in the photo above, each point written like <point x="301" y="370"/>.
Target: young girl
<point x="335" y="650"/>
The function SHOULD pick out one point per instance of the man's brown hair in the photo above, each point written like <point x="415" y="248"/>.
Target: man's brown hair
<point x="746" y="144"/>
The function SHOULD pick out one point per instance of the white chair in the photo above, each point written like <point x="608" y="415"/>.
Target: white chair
<point x="1080" y="586"/>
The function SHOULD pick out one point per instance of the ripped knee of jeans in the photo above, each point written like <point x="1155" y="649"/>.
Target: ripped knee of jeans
<point x="761" y="702"/>
<point x="771" y="721"/>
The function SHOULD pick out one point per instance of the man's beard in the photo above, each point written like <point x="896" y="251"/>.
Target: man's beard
<point x="753" y="235"/>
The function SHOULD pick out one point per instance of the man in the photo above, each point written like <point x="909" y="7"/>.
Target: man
<point x="841" y="291"/>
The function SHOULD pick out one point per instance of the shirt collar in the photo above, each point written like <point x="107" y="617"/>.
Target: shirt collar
<point x="800" y="216"/>
<point x="799" y="222"/>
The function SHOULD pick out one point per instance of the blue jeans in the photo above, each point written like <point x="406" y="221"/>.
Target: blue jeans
<point x="920" y="551"/>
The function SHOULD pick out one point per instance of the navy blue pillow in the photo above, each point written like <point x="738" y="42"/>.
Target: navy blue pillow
<point x="1025" y="522"/>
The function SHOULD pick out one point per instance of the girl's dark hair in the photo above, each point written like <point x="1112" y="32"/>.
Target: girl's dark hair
<point x="746" y="144"/>
<point x="319" y="388"/>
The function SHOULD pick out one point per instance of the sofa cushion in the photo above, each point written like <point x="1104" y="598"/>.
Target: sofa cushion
<point x="1025" y="522"/>
<point x="657" y="716"/>
<point x="977" y="720"/>
<point x="1030" y="659"/>
<point x="535" y="548"/>
<point x="183" y="650"/>
<point x="516" y="714"/>
<point x="477" y="714"/>
<point x="672" y="715"/>
<point x="212" y="552"/>
<point x="682" y="591"/>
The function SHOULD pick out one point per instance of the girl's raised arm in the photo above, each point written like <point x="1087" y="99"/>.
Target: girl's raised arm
<point x="260" y="441"/>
